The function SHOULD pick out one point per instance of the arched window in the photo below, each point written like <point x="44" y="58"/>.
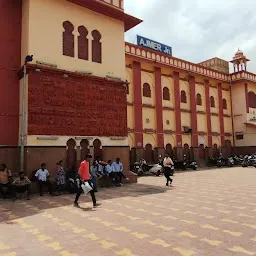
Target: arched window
<point x="83" y="43"/>
<point x="68" y="39"/>
<point x="97" y="149"/>
<point x="96" y="47"/>
<point x="84" y="148"/>
<point x="201" y="151"/>
<point x="183" y="97"/>
<point x="228" y="144"/>
<point x="212" y="100"/>
<point x="146" y="90"/>
<point x="71" y="154"/>
<point x="149" y="153"/>
<point x="215" y="151"/>
<point x="166" y="94"/>
<point x="252" y="100"/>
<point x="199" y="99"/>
<point x="224" y="102"/>
<point x="169" y="150"/>
<point x="127" y="89"/>
<point x="186" y="151"/>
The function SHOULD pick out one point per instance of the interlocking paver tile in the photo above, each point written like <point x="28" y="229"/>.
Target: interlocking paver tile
<point x="9" y="254"/>
<point x="203" y="214"/>
<point x="184" y="252"/>
<point x="241" y="250"/>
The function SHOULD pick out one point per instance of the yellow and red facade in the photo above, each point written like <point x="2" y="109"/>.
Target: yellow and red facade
<point x="79" y="51"/>
<point x="215" y="100"/>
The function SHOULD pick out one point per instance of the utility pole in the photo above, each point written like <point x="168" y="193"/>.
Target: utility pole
<point x="28" y="58"/>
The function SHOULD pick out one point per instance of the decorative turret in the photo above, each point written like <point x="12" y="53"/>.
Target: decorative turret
<point x="239" y="61"/>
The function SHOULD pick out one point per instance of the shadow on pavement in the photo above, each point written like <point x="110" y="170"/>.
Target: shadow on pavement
<point x="11" y="210"/>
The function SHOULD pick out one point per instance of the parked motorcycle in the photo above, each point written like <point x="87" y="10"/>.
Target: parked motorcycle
<point x="238" y="160"/>
<point x="249" y="161"/>
<point x="137" y="168"/>
<point x="222" y="162"/>
<point x="142" y="168"/>
<point x="156" y="169"/>
<point x="190" y="165"/>
<point x="212" y="162"/>
<point x="72" y="180"/>
<point x="184" y="165"/>
<point x="230" y="162"/>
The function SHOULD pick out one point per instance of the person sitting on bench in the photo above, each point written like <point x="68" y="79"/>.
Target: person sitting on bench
<point x="5" y="181"/>
<point x="118" y="170"/>
<point x="42" y="176"/>
<point x="22" y="185"/>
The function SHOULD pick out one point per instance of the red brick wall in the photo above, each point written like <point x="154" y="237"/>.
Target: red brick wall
<point x="75" y="106"/>
<point x="10" y="52"/>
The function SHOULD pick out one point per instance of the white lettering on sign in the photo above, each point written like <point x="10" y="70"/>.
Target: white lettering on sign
<point x="147" y="43"/>
<point x="150" y="44"/>
<point x="167" y="50"/>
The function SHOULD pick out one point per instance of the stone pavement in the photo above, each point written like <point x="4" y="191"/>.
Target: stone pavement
<point x="206" y="213"/>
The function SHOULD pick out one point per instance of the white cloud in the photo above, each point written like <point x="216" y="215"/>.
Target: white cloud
<point x="198" y="29"/>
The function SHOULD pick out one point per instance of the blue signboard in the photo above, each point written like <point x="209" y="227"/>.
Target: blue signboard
<point x="153" y="45"/>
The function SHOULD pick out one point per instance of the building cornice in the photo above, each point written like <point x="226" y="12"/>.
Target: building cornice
<point x="180" y="65"/>
<point x="110" y="10"/>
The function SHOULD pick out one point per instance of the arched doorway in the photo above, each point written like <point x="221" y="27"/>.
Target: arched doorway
<point x="149" y="154"/>
<point x="169" y="150"/>
<point x="228" y="144"/>
<point x="186" y="151"/>
<point x="97" y="150"/>
<point x="71" y="153"/>
<point x="215" y="152"/>
<point x="85" y="150"/>
<point x="228" y="148"/>
<point x="201" y="151"/>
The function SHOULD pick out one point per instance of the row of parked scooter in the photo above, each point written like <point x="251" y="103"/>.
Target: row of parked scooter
<point x="142" y="167"/>
<point x="245" y="161"/>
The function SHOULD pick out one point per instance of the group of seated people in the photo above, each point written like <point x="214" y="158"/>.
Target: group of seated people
<point x="110" y="170"/>
<point x="100" y="170"/>
<point x="13" y="187"/>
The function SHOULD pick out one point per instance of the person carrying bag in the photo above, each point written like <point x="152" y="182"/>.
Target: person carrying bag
<point x="168" y="164"/>
<point x="86" y="187"/>
<point x="85" y="184"/>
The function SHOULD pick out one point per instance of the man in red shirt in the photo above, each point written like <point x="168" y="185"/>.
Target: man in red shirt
<point x="84" y="173"/>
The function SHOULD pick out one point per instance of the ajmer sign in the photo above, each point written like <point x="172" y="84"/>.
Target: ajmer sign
<point x="153" y="45"/>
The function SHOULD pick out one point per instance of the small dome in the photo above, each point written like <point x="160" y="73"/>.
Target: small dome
<point x="239" y="55"/>
<point x="239" y="52"/>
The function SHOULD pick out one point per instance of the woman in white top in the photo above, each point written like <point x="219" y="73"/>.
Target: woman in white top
<point x="168" y="163"/>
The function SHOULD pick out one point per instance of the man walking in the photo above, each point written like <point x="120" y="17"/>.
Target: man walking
<point x="84" y="173"/>
<point x="168" y="163"/>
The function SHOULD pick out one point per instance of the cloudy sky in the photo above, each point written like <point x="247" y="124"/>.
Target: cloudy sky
<point x="198" y="29"/>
